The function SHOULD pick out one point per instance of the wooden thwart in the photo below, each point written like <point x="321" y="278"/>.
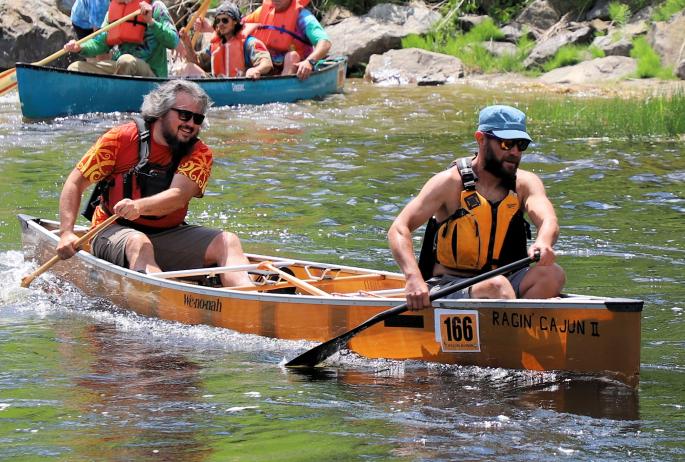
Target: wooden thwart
<point x="313" y="282"/>
<point x="297" y="282"/>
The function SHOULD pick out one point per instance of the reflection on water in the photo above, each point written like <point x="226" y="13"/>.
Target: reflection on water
<point x="322" y="180"/>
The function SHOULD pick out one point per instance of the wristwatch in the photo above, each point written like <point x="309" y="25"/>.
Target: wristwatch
<point x="312" y="62"/>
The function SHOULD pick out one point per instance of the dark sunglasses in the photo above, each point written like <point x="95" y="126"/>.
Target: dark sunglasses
<point x="223" y="20"/>
<point x="185" y="116"/>
<point x="508" y="145"/>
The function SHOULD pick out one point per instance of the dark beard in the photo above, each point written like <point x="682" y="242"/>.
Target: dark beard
<point x="494" y="166"/>
<point x="179" y="149"/>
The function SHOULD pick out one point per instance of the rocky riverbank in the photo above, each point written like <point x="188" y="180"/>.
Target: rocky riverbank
<point x="33" y="29"/>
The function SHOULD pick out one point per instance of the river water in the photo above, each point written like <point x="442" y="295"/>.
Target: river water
<point x="322" y="180"/>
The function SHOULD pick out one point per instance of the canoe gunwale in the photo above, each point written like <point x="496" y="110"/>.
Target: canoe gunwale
<point x="135" y="78"/>
<point x="567" y="301"/>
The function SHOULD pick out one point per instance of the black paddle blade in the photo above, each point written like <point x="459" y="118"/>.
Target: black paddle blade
<point x="311" y="358"/>
<point x="317" y="354"/>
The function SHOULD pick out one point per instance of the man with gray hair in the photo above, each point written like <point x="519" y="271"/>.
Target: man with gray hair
<point x="147" y="171"/>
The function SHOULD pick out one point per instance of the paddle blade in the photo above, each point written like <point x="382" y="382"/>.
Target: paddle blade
<point x="311" y="358"/>
<point x="8" y="80"/>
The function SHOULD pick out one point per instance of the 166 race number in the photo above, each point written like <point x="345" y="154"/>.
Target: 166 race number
<point x="457" y="330"/>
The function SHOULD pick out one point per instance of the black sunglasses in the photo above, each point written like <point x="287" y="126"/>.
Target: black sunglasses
<point x="223" y="20"/>
<point x="185" y="116"/>
<point x="508" y="145"/>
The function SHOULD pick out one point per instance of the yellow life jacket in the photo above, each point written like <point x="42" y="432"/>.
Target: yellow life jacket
<point x="480" y="235"/>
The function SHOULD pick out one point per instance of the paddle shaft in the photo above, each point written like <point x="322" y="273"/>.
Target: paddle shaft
<point x="8" y="79"/>
<point x="320" y="352"/>
<point x="27" y="280"/>
<point x="213" y="270"/>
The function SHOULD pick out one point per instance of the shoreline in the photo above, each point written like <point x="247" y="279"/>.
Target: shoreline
<point x="625" y="88"/>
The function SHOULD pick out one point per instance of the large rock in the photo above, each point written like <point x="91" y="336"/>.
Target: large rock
<point x="596" y="70"/>
<point x="539" y="15"/>
<point x="680" y="70"/>
<point x="31" y="30"/>
<point x="546" y="48"/>
<point x="412" y="65"/>
<point x="613" y="46"/>
<point x="382" y="29"/>
<point x="668" y="39"/>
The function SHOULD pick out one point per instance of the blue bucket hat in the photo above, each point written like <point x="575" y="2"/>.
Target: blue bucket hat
<point x="504" y="122"/>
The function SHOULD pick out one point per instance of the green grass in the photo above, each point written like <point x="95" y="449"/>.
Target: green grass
<point x="668" y="9"/>
<point x="659" y="116"/>
<point x="469" y="48"/>
<point x="619" y="13"/>
<point x="648" y="61"/>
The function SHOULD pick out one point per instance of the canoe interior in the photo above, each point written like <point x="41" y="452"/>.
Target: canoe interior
<point x="576" y="333"/>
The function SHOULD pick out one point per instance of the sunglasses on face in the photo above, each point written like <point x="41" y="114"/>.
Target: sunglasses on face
<point x="223" y="20"/>
<point x="508" y="145"/>
<point x="185" y="116"/>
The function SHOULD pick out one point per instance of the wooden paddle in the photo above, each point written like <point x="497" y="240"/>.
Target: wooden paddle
<point x="266" y="265"/>
<point x="199" y="14"/>
<point x="311" y="358"/>
<point x="28" y="279"/>
<point x="8" y="78"/>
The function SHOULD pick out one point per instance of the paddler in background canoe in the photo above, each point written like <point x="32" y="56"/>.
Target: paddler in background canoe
<point x="230" y="53"/>
<point x="139" y="47"/>
<point x="293" y="35"/>
<point x="147" y="171"/>
<point x="474" y="212"/>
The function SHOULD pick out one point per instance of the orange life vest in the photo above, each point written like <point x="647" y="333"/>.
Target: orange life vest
<point x="144" y="180"/>
<point x="228" y="59"/>
<point x="132" y="31"/>
<point x="278" y="30"/>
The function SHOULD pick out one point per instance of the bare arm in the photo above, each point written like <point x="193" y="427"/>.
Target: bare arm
<point x="304" y="67"/>
<point x="541" y="212"/>
<point x="431" y="200"/>
<point x="180" y="192"/>
<point x="69" y="203"/>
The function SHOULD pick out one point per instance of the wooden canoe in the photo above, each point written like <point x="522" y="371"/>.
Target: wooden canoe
<point x="48" y="92"/>
<point x="581" y="334"/>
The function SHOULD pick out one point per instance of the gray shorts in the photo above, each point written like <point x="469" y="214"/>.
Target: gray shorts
<point x="438" y="282"/>
<point x="179" y="248"/>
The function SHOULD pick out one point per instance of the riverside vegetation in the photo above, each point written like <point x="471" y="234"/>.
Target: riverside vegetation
<point x="447" y="38"/>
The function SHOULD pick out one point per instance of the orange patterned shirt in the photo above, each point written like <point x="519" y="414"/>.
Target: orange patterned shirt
<point x="117" y="152"/>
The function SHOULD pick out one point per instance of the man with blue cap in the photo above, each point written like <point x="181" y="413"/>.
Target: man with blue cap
<point x="475" y="214"/>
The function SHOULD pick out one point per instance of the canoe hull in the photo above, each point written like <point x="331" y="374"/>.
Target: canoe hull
<point x="588" y="335"/>
<point x="46" y="92"/>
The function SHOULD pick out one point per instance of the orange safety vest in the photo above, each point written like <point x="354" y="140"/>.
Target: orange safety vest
<point x="480" y="235"/>
<point x="144" y="180"/>
<point x="228" y="59"/>
<point x="132" y="31"/>
<point x="278" y="30"/>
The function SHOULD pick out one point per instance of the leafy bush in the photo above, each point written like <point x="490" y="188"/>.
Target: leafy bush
<point x="619" y="13"/>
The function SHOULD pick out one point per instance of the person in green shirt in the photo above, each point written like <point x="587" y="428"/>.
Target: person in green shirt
<point x="147" y="58"/>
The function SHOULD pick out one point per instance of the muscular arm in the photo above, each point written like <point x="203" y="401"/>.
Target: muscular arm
<point x="541" y="212"/>
<point x="431" y="200"/>
<point x="180" y="192"/>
